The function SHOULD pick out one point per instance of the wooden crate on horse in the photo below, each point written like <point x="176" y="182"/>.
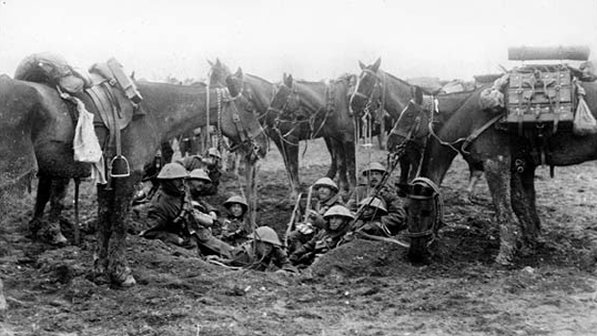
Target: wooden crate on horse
<point x="540" y="94"/>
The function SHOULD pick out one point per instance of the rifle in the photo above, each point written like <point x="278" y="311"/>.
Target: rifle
<point x="308" y="205"/>
<point x="394" y="162"/>
<point x="290" y="225"/>
<point x="192" y="219"/>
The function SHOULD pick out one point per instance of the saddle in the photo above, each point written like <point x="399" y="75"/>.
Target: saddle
<point x="113" y="114"/>
<point x="99" y="85"/>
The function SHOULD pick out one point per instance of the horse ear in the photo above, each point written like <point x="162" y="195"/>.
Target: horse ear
<point x="288" y="80"/>
<point x="218" y="61"/>
<point x="239" y="72"/>
<point x="362" y="65"/>
<point x="133" y="75"/>
<point x="211" y="64"/>
<point x="376" y="65"/>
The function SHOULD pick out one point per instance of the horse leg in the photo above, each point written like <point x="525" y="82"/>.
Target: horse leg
<point x="340" y="157"/>
<point x="53" y="190"/>
<point x="44" y="187"/>
<point x="103" y="231"/>
<point x="350" y="162"/>
<point x="118" y="269"/>
<point x="332" y="149"/>
<point x="285" y="150"/>
<point x="475" y="169"/>
<point x="497" y="173"/>
<point x="523" y="203"/>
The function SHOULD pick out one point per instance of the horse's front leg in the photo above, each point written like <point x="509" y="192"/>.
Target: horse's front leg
<point x="350" y="160"/>
<point x="118" y="269"/>
<point x="103" y="230"/>
<point x="332" y="149"/>
<point x="497" y="173"/>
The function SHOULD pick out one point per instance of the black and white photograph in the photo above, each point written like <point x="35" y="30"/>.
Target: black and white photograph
<point x="313" y="167"/>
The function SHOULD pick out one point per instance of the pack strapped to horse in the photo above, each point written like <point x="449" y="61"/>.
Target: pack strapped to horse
<point x="536" y="95"/>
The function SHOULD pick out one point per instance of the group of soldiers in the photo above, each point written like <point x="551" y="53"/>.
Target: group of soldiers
<point x="178" y="214"/>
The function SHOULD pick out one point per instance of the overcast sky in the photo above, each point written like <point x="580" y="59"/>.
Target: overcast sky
<point x="312" y="39"/>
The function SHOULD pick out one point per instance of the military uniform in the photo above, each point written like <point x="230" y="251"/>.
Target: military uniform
<point x="196" y="162"/>
<point x="395" y="220"/>
<point x="297" y="237"/>
<point x="170" y="223"/>
<point x="244" y="256"/>
<point x="319" y="244"/>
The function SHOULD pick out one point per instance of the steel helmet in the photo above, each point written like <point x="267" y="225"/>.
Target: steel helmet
<point x="172" y="171"/>
<point x="238" y="200"/>
<point x="326" y="182"/>
<point x="374" y="166"/>
<point x="338" y="210"/>
<point x="266" y="234"/>
<point x="199" y="174"/>
<point x="215" y="152"/>
<point x="374" y="202"/>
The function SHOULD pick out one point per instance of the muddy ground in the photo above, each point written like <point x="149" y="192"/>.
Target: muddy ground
<point x="362" y="288"/>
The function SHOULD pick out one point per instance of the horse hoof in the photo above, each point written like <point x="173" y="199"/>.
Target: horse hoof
<point x="503" y="260"/>
<point x="125" y="279"/>
<point x="128" y="282"/>
<point x="52" y="235"/>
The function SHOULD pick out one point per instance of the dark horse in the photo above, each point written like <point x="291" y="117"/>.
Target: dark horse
<point x="377" y="90"/>
<point x="302" y="110"/>
<point x="512" y="189"/>
<point x="18" y="164"/>
<point x="168" y="111"/>
<point x="258" y="94"/>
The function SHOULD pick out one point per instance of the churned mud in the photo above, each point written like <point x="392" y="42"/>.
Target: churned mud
<point x="361" y="288"/>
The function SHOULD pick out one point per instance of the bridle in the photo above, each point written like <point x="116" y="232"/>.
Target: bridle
<point x="436" y="198"/>
<point x="247" y="140"/>
<point x="377" y="94"/>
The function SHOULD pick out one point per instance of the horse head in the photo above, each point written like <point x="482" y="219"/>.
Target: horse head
<point x="253" y="143"/>
<point x="368" y="89"/>
<point x="410" y="129"/>
<point x="424" y="208"/>
<point x="286" y="100"/>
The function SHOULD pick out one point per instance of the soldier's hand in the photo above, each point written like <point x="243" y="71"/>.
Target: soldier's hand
<point x="213" y="215"/>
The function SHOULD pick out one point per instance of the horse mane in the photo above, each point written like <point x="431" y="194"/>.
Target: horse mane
<point x="398" y="79"/>
<point x="258" y="78"/>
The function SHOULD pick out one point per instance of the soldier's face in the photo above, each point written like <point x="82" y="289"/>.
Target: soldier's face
<point x="368" y="211"/>
<point x="197" y="185"/>
<point x="178" y="184"/>
<point x="374" y="177"/>
<point x="336" y="222"/>
<point x="236" y="210"/>
<point x="324" y="193"/>
<point x="263" y="249"/>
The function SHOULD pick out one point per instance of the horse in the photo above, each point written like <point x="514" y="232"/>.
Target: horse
<point x="18" y="165"/>
<point x="377" y="91"/>
<point x="415" y="134"/>
<point x="168" y="110"/>
<point x="258" y="94"/>
<point x="302" y="110"/>
<point x="472" y="130"/>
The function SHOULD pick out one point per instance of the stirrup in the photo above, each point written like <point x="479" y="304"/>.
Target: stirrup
<point x="119" y="167"/>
